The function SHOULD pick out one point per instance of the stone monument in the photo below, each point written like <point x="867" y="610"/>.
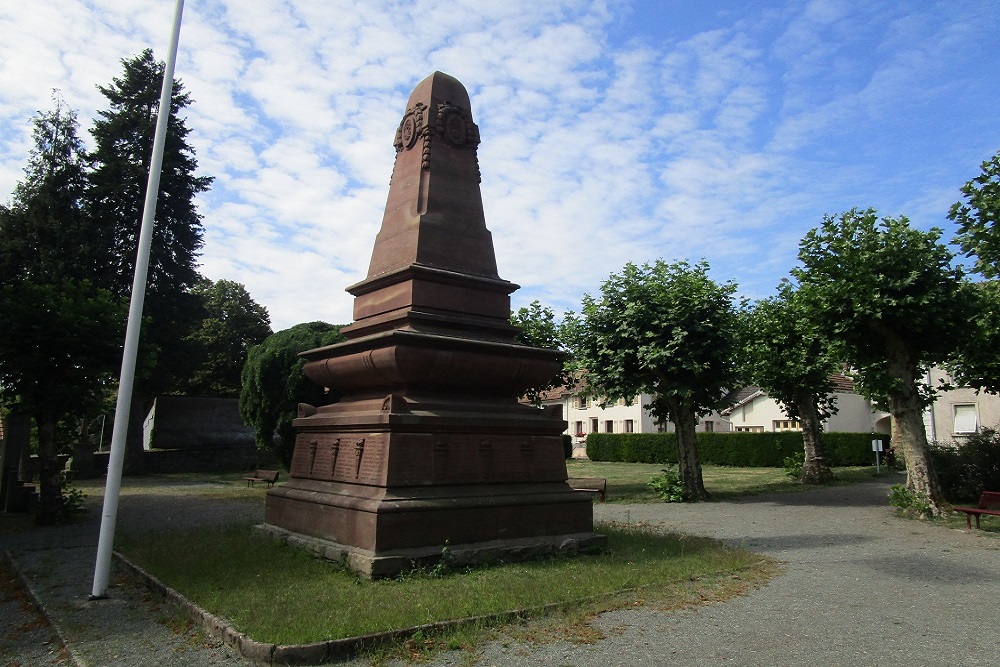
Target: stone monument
<point x="429" y="446"/>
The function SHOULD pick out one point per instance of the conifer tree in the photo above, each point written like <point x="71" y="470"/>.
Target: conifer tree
<point x="123" y="136"/>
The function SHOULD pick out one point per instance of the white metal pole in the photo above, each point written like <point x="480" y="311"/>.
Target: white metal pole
<point x="102" y="569"/>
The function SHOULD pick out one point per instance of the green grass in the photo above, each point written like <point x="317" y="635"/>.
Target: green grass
<point x="275" y="593"/>
<point x="627" y="482"/>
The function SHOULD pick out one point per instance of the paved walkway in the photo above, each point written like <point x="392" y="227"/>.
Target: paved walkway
<point x="860" y="588"/>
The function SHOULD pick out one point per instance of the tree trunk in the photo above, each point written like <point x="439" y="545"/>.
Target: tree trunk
<point x="910" y="437"/>
<point x="815" y="469"/>
<point x="908" y="432"/>
<point x="50" y="501"/>
<point x="688" y="464"/>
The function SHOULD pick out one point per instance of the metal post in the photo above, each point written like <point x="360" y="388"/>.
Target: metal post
<point x="102" y="569"/>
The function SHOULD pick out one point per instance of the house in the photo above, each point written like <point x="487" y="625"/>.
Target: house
<point x="960" y="412"/>
<point x="586" y="415"/>
<point x="753" y="410"/>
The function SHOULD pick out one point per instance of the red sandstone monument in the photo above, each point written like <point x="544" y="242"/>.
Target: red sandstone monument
<point x="429" y="446"/>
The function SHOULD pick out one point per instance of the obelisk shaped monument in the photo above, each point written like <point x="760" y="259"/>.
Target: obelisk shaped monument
<point x="429" y="446"/>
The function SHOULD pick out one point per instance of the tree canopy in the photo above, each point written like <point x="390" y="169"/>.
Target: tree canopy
<point x="123" y="136"/>
<point x="539" y="328"/>
<point x="891" y="297"/>
<point x="667" y="330"/>
<point x="274" y="384"/>
<point x="786" y="354"/>
<point x="60" y="335"/>
<point x="232" y="323"/>
<point x="978" y="219"/>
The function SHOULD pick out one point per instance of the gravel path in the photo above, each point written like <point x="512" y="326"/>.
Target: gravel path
<point x="860" y="587"/>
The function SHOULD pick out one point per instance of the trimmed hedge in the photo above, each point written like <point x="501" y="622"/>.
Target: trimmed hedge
<point x="742" y="450"/>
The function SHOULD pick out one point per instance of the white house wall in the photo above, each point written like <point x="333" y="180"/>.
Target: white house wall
<point x="854" y="415"/>
<point x="940" y="418"/>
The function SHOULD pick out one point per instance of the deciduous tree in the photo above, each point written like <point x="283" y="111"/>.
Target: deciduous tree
<point x="667" y="330"/>
<point x="60" y="333"/>
<point x="787" y="355"/>
<point x="891" y="297"/>
<point x="232" y="324"/>
<point x="539" y="328"/>
<point x="978" y="219"/>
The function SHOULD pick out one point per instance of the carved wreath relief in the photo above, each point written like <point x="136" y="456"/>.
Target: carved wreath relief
<point x="451" y="123"/>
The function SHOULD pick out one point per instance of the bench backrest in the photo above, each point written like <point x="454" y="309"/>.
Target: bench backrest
<point x="268" y="475"/>
<point x="990" y="500"/>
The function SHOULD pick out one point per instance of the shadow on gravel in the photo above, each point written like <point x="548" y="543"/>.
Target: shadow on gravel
<point x="862" y="494"/>
<point x="803" y="541"/>
<point x="918" y="567"/>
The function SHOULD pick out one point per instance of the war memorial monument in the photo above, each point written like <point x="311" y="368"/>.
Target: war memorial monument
<point x="429" y="451"/>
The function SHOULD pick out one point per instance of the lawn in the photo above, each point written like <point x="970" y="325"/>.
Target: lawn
<point x="627" y="482"/>
<point x="278" y="594"/>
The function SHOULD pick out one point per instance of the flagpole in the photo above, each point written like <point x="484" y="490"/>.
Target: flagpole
<point x="102" y="569"/>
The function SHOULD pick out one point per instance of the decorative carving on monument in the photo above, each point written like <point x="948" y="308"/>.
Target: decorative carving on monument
<point x="411" y="128"/>
<point x="305" y="410"/>
<point x="334" y="453"/>
<point x="313" y="444"/>
<point x="455" y="125"/>
<point x="395" y="403"/>
<point x="359" y="451"/>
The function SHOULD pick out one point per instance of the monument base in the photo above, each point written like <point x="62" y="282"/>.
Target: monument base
<point x="379" y="531"/>
<point x="373" y="565"/>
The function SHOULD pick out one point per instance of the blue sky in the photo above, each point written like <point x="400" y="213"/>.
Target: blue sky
<point x="611" y="130"/>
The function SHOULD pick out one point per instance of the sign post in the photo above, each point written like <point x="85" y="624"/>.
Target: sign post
<point x="877" y="447"/>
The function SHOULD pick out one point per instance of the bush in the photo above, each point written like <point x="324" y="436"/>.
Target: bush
<point x="667" y="486"/>
<point x="910" y="503"/>
<point x="966" y="470"/>
<point x="794" y="464"/>
<point x="745" y="450"/>
<point x="567" y="446"/>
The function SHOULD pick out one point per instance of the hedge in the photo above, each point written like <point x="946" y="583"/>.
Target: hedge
<point x="744" y="450"/>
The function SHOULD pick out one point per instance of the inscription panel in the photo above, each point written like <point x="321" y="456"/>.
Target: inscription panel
<point x="341" y="457"/>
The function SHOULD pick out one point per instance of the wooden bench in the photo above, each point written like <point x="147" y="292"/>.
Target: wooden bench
<point x="269" y="476"/>
<point x="989" y="503"/>
<point x="589" y="485"/>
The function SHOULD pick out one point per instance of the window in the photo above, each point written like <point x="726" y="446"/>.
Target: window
<point x="787" y="425"/>
<point x="627" y="426"/>
<point x="579" y="428"/>
<point x="966" y="420"/>
<point x="749" y="429"/>
<point x="609" y="426"/>
<point x="593" y="425"/>
<point x="709" y="426"/>
<point x="581" y="402"/>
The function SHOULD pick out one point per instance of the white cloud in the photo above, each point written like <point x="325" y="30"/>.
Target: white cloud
<point x="603" y="142"/>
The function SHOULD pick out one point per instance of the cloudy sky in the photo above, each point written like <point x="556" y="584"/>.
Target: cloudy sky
<point x="612" y="130"/>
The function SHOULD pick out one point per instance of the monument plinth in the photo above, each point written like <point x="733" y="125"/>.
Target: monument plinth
<point x="429" y="446"/>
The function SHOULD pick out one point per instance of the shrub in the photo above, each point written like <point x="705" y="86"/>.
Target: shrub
<point x="668" y="486"/>
<point x="768" y="449"/>
<point x="567" y="446"/>
<point x="910" y="502"/>
<point x="794" y="463"/>
<point x="966" y="470"/>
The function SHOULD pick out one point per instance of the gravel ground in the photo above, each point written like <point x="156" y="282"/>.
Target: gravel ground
<point x="860" y="587"/>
